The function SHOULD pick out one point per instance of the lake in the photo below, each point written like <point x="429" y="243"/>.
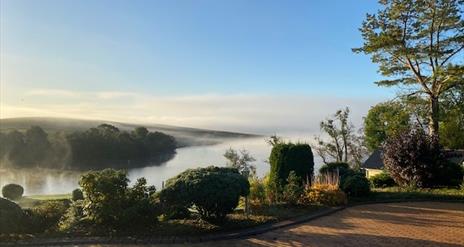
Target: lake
<point x="48" y="181"/>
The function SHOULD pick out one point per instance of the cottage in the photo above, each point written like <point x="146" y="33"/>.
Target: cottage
<point x="374" y="164"/>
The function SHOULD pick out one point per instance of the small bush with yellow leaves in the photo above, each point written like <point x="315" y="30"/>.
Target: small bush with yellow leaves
<point x="324" y="195"/>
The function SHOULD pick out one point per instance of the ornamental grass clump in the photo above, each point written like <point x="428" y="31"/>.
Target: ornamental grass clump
<point x="324" y="190"/>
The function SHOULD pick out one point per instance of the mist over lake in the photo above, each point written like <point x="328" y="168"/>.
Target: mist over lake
<point x="53" y="181"/>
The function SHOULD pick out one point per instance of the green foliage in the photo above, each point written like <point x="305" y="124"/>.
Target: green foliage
<point x="412" y="158"/>
<point x="382" y="180"/>
<point x="214" y="191"/>
<point x="323" y="195"/>
<point x="448" y="174"/>
<point x="12" y="191"/>
<point x="12" y="217"/>
<point x="46" y="215"/>
<point x="286" y="157"/>
<point x="293" y="189"/>
<point x="452" y="117"/>
<point x="416" y="44"/>
<point x="241" y="161"/>
<point x="356" y="185"/>
<point x="343" y="170"/>
<point x="72" y="217"/>
<point x="343" y="144"/>
<point x="77" y="195"/>
<point x="383" y="120"/>
<point x="109" y="201"/>
<point x="27" y="149"/>
<point x="257" y="191"/>
<point x="99" y="147"/>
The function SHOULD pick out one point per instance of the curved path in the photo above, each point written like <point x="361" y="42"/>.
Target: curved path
<point x="389" y="224"/>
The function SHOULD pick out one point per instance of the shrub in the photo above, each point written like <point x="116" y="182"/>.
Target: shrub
<point x="333" y="167"/>
<point x="382" y="180"/>
<point x="109" y="202"/>
<point x="273" y="190"/>
<point x="72" y="217"/>
<point x="175" y="212"/>
<point x="448" y="173"/>
<point x="12" y="191"/>
<point x="46" y="215"/>
<point x="214" y="191"/>
<point x="257" y="191"/>
<point x="323" y="194"/>
<point x="77" y="195"/>
<point x="340" y="168"/>
<point x="356" y="185"/>
<point x="286" y="157"/>
<point x="324" y="190"/>
<point x="293" y="189"/>
<point x="12" y="217"/>
<point x="411" y="157"/>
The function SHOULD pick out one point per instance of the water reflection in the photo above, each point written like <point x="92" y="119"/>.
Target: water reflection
<point x="48" y="181"/>
<point x="41" y="181"/>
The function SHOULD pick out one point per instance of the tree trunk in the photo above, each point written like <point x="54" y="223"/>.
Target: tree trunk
<point x="434" y="116"/>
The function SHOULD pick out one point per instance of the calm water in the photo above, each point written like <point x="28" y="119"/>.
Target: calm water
<point x="43" y="181"/>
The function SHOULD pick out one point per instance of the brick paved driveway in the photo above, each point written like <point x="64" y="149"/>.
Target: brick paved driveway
<point x="395" y="224"/>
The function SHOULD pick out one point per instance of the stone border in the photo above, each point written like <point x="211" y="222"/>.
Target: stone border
<point x="210" y="237"/>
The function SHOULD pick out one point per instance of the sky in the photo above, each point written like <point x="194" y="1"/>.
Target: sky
<point x="244" y="65"/>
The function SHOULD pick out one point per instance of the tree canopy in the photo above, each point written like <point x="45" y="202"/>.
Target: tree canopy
<point x="417" y="44"/>
<point x="95" y="148"/>
<point x="383" y="120"/>
<point x="342" y="143"/>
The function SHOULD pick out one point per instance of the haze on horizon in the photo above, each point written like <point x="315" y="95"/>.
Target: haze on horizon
<point x="250" y="66"/>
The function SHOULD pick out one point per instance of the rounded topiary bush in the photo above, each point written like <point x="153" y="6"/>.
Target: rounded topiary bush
<point x="12" y="217"/>
<point x="356" y="185"/>
<point x="382" y="180"/>
<point x="286" y="157"/>
<point x="12" y="191"/>
<point x="213" y="191"/>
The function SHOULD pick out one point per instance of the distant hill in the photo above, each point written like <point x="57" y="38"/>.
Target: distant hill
<point x="185" y="136"/>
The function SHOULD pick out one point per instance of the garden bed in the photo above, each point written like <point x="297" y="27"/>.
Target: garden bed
<point x="182" y="228"/>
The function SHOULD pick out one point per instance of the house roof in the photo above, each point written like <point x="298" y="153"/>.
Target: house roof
<point x="374" y="161"/>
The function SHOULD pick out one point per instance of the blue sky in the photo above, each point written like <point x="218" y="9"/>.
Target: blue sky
<point x="61" y="56"/>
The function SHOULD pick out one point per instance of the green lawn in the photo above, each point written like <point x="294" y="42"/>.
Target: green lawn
<point x="33" y="200"/>
<point x="397" y="193"/>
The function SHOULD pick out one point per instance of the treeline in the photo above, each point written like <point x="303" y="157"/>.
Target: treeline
<point x="100" y="147"/>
